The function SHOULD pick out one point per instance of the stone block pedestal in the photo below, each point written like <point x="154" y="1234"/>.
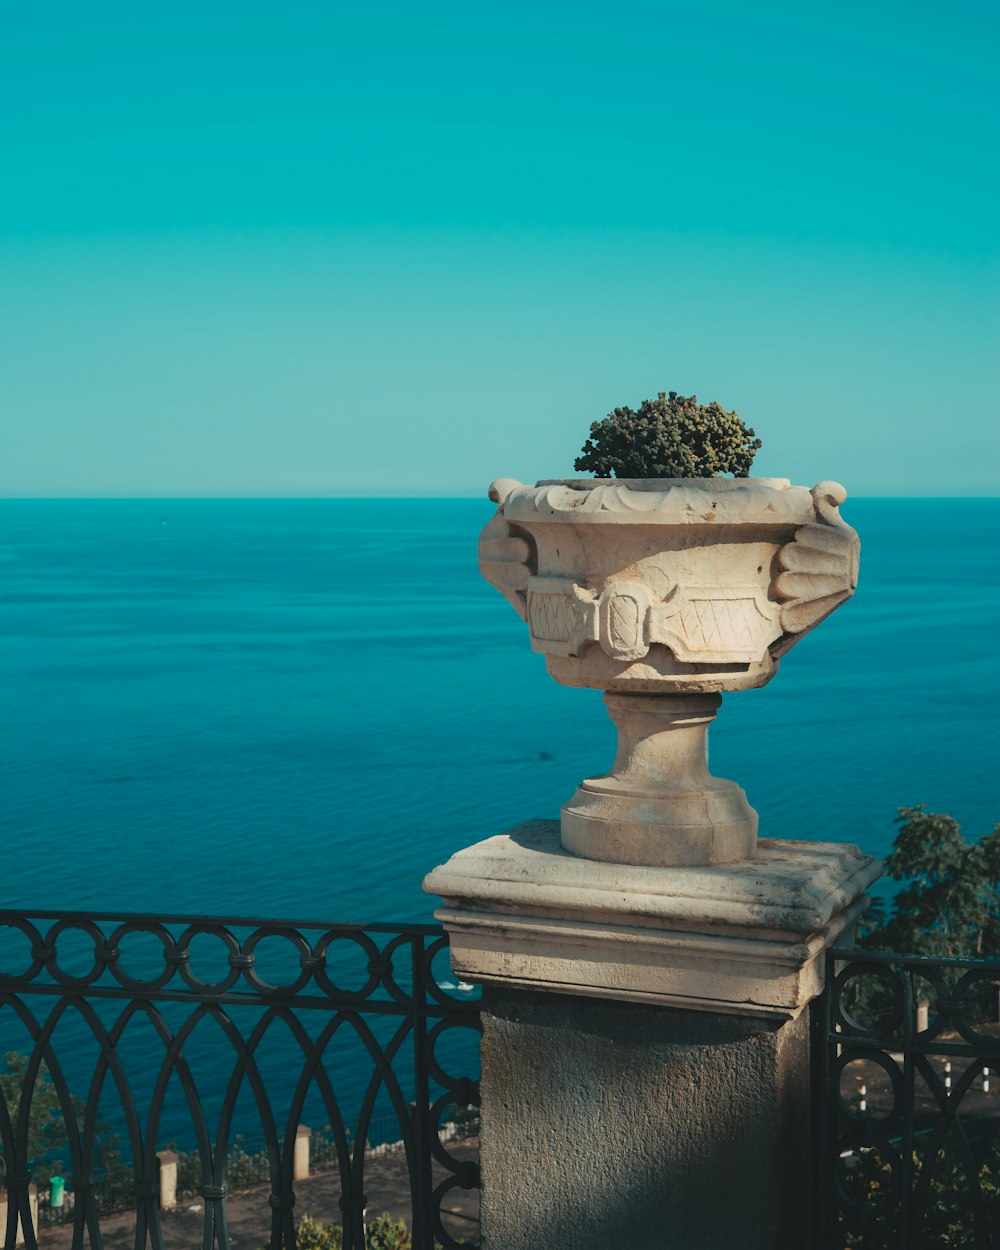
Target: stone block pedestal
<point x="646" y="1058"/>
<point x="649" y="1128"/>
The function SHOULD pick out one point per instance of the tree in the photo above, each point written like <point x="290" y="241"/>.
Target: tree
<point x="950" y="902"/>
<point x="48" y="1146"/>
<point x="46" y="1128"/>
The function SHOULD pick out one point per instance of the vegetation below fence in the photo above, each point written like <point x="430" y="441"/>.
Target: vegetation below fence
<point x="247" y="1166"/>
<point x="248" y="1162"/>
<point x="948" y="903"/>
<point x="381" y="1233"/>
<point x="913" y="1037"/>
<point x="949" y="1218"/>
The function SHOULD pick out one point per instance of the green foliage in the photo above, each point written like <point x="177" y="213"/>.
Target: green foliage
<point x="949" y="905"/>
<point x="323" y="1148"/>
<point x="382" y="1233"/>
<point x="385" y="1233"/>
<point x="670" y="436"/>
<point x="246" y="1166"/>
<point x="47" y="1138"/>
<point x="465" y="1120"/>
<point x="46" y="1131"/>
<point x="949" y="1222"/>
<point x="313" y="1234"/>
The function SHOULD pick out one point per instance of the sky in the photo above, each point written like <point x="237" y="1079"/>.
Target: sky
<point x="402" y="249"/>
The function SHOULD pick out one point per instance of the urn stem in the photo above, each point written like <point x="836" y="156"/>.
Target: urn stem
<point x="660" y="806"/>
<point x="661" y="738"/>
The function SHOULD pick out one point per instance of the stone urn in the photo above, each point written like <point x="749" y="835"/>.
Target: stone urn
<point x="666" y="593"/>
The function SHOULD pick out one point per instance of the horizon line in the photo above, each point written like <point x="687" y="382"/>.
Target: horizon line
<point x="358" y="498"/>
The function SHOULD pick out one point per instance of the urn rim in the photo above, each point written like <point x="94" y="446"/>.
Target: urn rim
<point x="773" y="503"/>
<point x="651" y="484"/>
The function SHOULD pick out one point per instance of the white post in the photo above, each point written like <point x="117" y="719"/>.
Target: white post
<point x="300" y="1162"/>
<point x="168" y="1179"/>
<point x="947" y="1074"/>
<point x="4" y="1210"/>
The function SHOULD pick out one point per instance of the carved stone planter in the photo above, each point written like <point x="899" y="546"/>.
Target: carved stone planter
<point x="665" y="594"/>
<point x="646" y="964"/>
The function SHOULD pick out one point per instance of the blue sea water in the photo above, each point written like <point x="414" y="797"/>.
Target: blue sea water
<point x="298" y="707"/>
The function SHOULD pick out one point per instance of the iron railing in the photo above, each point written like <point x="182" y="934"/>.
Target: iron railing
<point x="128" y="1034"/>
<point x="910" y="1151"/>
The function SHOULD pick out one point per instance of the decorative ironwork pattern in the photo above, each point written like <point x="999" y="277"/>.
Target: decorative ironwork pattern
<point x="910" y="1152"/>
<point x="98" y="974"/>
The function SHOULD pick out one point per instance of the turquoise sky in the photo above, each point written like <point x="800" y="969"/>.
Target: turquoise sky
<point x="296" y="248"/>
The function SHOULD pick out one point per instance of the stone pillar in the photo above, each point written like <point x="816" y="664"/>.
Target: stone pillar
<point x="300" y="1161"/>
<point x="6" y="1213"/>
<point x="167" y="1160"/>
<point x="646" y="1049"/>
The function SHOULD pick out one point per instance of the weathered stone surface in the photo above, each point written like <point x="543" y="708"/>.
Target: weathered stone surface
<point x="660" y="805"/>
<point x="668" y="585"/>
<point x="647" y="965"/>
<point x="744" y="938"/>
<point x="614" y="1125"/>
<point x="681" y="588"/>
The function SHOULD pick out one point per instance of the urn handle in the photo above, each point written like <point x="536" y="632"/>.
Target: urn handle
<point x="507" y="554"/>
<point x="819" y="567"/>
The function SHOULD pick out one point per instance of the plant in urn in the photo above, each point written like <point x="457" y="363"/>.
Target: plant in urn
<point x="666" y="584"/>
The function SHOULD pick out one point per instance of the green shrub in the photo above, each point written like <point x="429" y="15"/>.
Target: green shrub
<point x="465" y="1120"/>
<point x="46" y="1125"/>
<point x="949" y="1221"/>
<point x="949" y="902"/>
<point x="312" y="1234"/>
<point x="383" y="1233"/>
<point x="46" y="1129"/>
<point x="670" y="436"/>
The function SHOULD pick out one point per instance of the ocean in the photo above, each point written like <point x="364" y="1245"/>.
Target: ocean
<point x="299" y="707"/>
<point x="296" y="708"/>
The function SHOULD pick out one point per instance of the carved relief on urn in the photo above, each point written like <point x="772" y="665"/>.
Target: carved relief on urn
<point x="665" y="594"/>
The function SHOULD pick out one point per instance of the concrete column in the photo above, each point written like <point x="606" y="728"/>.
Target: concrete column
<point x="646" y="1057"/>
<point x="168" y="1179"/>
<point x="300" y="1163"/>
<point x="609" y="1124"/>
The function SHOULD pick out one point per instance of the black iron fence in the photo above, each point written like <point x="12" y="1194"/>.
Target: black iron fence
<point x="161" y="1063"/>
<point x="910" y="1155"/>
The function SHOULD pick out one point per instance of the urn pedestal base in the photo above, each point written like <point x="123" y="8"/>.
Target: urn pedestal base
<point x="746" y="938"/>
<point x="660" y="806"/>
